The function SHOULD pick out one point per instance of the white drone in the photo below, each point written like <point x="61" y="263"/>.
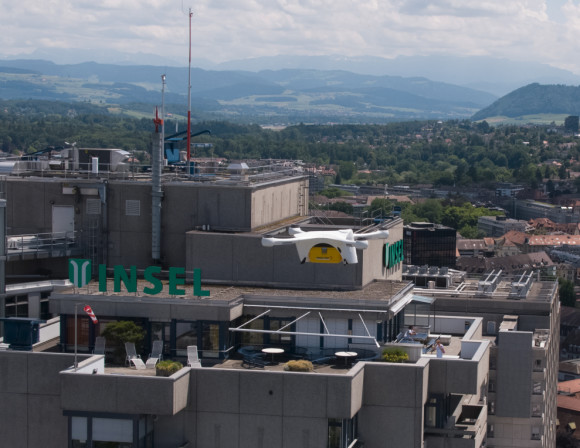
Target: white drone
<point x="328" y="246"/>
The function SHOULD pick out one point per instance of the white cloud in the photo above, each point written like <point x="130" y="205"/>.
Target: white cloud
<point x="236" y="29"/>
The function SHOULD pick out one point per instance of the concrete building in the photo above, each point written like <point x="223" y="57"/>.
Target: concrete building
<point x="530" y="209"/>
<point x="430" y="244"/>
<point x="495" y="226"/>
<point x="493" y="387"/>
<point x="523" y="359"/>
<point x="231" y="297"/>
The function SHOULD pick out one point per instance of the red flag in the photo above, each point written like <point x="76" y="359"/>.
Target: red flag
<point x="89" y="311"/>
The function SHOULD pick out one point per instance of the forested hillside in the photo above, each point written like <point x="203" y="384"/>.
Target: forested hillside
<point x="416" y="152"/>
<point x="534" y="99"/>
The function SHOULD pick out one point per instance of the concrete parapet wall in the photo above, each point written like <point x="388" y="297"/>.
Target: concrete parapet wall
<point x="125" y="394"/>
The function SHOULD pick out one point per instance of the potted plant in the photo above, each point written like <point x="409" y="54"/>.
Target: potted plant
<point x="167" y="368"/>
<point x="394" y="354"/>
<point x="301" y="365"/>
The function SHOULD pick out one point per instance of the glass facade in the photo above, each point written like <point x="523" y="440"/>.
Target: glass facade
<point x="429" y="244"/>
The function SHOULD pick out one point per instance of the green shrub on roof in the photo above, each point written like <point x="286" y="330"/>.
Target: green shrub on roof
<point x="394" y="354"/>
<point x="300" y="365"/>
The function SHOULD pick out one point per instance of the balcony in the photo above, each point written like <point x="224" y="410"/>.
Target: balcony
<point x="90" y="389"/>
<point x="467" y="431"/>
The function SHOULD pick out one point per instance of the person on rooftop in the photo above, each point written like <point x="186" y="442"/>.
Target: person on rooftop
<point x="439" y="348"/>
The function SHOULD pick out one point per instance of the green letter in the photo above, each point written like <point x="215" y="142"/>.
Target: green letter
<point x="102" y="278"/>
<point x="386" y="255"/>
<point x="197" y="291"/>
<point x="174" y="281"/>
<point x="120" y="275"/>
<point x="157" y="285"/>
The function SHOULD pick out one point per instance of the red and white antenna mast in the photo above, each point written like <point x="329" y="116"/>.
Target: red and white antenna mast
<point x="189" y="102"/>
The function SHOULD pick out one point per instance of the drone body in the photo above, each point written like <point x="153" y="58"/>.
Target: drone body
<point x="326" y="246"/>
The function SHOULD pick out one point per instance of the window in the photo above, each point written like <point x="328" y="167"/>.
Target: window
<point x="277" y="324"/>
<point x="537" y="388"/>
<point x="538" y="366"/>
<point x="210" y="340"/>
<point x="93" y="206"/>
<point x="536" y="433"/>
<point x="490" y="430"/>
<point x="132" y="207"/>
<point x="536" y="410"/>
<point x="492" y="385"/>
<point x="112" y="430"/>
<point x="434" y="415"/>
<point x="491" y="407"/>
<point x="341" y="433"/>
<point x="185" y="334"/>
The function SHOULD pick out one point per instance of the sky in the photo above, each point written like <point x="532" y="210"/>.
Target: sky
<point x="546" y="31"/>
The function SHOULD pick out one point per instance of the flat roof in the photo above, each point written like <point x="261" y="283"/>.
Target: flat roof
<point x="379" y="293"/>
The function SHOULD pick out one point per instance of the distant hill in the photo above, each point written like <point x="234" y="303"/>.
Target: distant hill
<point x="290" y="95"/>
<point x="534" y="99"/>
<point x="485" y="73"/>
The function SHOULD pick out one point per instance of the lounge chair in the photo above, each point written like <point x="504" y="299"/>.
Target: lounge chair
<point x="156" y="354"/>
<point x="192" y="356"/>
<point x="138" y="363"/>
<point x="131" y="352"/>
<point x="100" y="343"/>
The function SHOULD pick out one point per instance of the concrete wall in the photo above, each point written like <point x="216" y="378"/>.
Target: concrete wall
<point x="124" y="394"/>
<point x="373" y="258"/>
<point x="393" y="404"/>
<point x="514" y="374"/>
<point x="241" y="258"/>
<point x="150" y="308"/>
<point x="252" y="409"/>
<point x="270" y="205"/>
<point x="30" y="401"/>
<point x="126" y="239"/>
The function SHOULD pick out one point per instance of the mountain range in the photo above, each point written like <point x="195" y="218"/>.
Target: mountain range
<point x="308" y="89"/>
<point x="264" y="96"/>
<point x="490" y="74"/>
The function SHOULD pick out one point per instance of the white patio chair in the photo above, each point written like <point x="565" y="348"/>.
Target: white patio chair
<point x="192" y="356"/>
<point x="138" y="363"/>
<point x="156" y="354"/>
<point x="131" y="352"/>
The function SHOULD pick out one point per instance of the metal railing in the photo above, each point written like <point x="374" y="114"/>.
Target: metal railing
<point x="41" y="242"/>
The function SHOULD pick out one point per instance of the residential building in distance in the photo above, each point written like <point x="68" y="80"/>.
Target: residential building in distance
<point x="511" y="265"/>
<point x="529" y="209"/>
<point x="475" y="247"/>
<point x="494" y="226"/>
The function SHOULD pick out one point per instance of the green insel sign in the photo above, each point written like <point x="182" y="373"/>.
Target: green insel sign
<point x="176" y="278"/>
<point x="79" y="275"/>
<point x="393" y="254"/>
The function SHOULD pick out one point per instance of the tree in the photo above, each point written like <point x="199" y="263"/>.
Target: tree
<point x="381" y="206"/>
<point x="562" y="173"/>
<point x="346" y="170"/>
<point x="567" y="295"/>
<point x="117" y="333"/>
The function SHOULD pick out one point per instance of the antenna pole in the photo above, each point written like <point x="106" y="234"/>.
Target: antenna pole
<point x="189" y="102"/>
<point x="162" y="115"/>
